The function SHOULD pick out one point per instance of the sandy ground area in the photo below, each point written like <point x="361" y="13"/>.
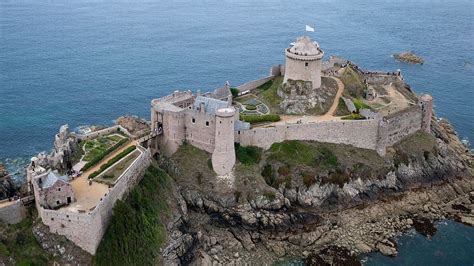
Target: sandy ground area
<point x="89" y="194"/>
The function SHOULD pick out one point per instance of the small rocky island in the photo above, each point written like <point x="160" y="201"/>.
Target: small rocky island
<point x="409" y="57"/>
<point x="322" y="161"/>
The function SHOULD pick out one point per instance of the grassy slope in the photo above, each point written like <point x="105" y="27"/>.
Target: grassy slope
<point x="269" y="95"/>
<point x="18" y="241"/>
<point x="353" y="83"/>
<point x="137" y="230"/>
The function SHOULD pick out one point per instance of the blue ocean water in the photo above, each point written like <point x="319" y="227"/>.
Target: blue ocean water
<point x="89" y="61"/>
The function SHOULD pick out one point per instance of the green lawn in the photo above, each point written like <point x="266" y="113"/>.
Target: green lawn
<point x="269" y="95"/>
<point x="97" y="146"/>
<point x="111" y="175"/>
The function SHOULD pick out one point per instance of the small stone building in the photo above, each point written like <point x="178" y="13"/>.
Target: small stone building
<point x="55" y="190"/>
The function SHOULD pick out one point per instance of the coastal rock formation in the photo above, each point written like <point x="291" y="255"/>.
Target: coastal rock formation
<point x="134" y="125"/>
<point x="409" y="57"/>
<point x="299" y="97"/>
<point x="7" y="188"/>
<point x="62" y="156"/>
<point x="418" y="187"/>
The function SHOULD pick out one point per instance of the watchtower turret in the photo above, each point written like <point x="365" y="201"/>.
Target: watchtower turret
<point x="304" y="61"/>
<point x="223" y="157"/>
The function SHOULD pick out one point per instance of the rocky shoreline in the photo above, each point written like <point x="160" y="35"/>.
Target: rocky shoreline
<point x="211" y="230"/>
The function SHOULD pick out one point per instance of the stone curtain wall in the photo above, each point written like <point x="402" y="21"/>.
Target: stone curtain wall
<point x="359" y="133"/>
<point x="86" y="229"/>
<point x="399" y="125"/>
<point x="13" y="213"/>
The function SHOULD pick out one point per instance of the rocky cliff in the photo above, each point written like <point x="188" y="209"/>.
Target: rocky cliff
<point x="7" y="188"/>
<point x="316" y="208"/>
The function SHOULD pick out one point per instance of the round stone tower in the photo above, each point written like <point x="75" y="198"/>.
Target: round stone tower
<point x="304" y="61"/>
<point x="223" y="157"/>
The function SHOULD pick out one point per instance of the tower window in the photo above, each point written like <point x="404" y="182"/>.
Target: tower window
<point x="306" y="64"/>
<point x="207" y="123"/>
<point x="193" y="120"/>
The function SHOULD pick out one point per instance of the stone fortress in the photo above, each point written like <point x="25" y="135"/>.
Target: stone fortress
<point x="80" y="208"/>
<point x="205" y="121"/>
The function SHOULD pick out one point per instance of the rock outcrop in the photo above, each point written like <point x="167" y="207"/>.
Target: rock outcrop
<point x="299" y="97"/>
<point x="62" y="156"/>
<point x="134" y="125"/>
<point x="7" y="187"/>
<point x="409" y="57"/>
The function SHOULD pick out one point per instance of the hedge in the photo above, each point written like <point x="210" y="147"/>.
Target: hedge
<point x="259" y="118"/>
<point x="234" y="91"/>
<point x="101" y="156"/>
<point x="112" y="161"/>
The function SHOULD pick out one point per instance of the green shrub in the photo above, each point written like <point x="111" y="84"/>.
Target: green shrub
<point x="252" y="119"/>
<point x="267" y="172"/>
<point x="234" y="91"/>
<point x="102" y="155"/>
<point x="250" y="107"/>
<point x="359" y="104"/>
<point x="308" y="179"/>
<point x="270" y="195"/>
<point x="136" y="231"/>
<point x="265" y="86"/>
<point x="284" y="170"/>
<point x="248" y="155"/>
<point x="112" y="161"/>
<point x="353" y="117"/>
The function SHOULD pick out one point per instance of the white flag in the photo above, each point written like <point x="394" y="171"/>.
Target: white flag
<point x="308" y="28"/>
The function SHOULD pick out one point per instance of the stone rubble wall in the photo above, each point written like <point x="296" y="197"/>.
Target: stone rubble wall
<point x="86" y="229"/>
<point x="12" y="213"/>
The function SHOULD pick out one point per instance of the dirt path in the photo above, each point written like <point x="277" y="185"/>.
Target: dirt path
<point x="87" y="196"/>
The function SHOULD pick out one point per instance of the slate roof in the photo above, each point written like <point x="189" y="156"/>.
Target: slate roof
<point x="211" y="105"/>
<point x="52" y="178"/>
<point x="222" y="93"/>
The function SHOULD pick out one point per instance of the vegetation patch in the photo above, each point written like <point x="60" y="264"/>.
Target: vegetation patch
<point x="353" y="83"/>
<point x="94" y="154"/>
<point x="112" y="174"/>
<point x="359" y="104"/>
<point x="353" y="117"/>
<point x="252" y="119"/>
<point x="265" y="86"/>
<point x="248" y="155"/>
<point x="234" y="91"/>
<point x="113" y="160"/>
<point x="341" y="108"/>
<point x="308" y="179"/>
<point x="18" y="241"/>
<point x="268" y="94"/>
<point x="137" y="230"/>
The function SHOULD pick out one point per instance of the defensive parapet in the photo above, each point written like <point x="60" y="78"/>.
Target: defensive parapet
<point x="426" y="102"/>
<point x="223" y="157"/>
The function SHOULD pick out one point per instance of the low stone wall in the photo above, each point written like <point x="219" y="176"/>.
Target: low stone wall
<point x="104" y="132"/>
<point x="86" y="229"/>
<point x="349" y="104"/>
<point x="251" y="85"/>
<point x="13" y="213"/>
<point x="359" y="133"/>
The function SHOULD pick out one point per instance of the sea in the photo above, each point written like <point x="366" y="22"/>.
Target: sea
<point x="86" y="62"/>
